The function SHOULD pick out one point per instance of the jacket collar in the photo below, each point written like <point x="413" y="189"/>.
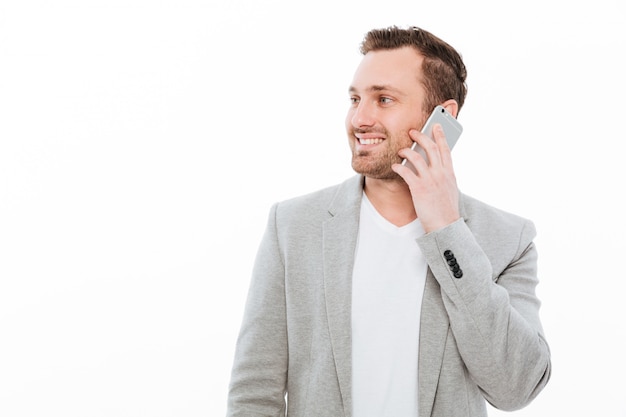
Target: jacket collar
<point x="348" y="197"/>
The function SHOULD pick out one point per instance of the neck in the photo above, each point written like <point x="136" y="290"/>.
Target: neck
<point x="392" y="199"/>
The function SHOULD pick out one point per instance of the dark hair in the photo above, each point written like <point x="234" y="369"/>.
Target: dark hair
<point x="443" y="67"/>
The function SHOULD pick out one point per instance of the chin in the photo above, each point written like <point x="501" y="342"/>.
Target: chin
<point x="378" y="173"/>
<point x="375" y="169"/>
<point x="391" y="176"/>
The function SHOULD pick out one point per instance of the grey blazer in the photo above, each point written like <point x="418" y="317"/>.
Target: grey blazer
<point x="480" y="335"/>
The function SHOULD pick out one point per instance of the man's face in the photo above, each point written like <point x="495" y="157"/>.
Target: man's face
<point x="386" y="102"/>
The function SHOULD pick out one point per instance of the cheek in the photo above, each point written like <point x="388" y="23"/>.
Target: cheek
<point x="404" y="121"/>
<point x="401" y="124"/>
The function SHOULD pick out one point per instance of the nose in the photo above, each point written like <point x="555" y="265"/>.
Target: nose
<point x="362" y="115"/>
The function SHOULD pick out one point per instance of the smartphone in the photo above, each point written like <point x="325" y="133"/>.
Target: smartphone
<point x="451" y="128"/>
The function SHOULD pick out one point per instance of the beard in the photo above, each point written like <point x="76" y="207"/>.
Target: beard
<point x="376" y="163"/>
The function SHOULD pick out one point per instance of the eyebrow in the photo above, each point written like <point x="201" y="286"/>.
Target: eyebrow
<point x="377" y="88"/>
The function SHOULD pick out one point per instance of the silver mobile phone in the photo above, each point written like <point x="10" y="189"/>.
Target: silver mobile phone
<point x="451" y="128"/>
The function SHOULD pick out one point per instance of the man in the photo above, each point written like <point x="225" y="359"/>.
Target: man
<point x="392" y="294"/>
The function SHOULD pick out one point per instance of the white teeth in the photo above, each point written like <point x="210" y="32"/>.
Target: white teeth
<point x="370" y="141"/>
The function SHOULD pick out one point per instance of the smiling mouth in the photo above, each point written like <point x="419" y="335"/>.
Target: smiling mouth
<point x="373" y="141"/>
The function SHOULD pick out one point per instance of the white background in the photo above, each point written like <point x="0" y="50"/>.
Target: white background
<point x="143" y="142"/>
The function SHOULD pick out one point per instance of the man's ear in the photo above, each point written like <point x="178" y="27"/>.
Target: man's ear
<point x="451" y="106"/>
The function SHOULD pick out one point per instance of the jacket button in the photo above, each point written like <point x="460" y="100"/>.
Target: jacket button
<point x="452" y="263"/>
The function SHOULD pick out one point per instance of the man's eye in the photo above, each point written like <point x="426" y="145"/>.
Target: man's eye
<point x="385" y="100"/>
<point x="354" y="100"/>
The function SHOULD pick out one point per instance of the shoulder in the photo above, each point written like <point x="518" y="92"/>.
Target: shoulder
<point x="299" y="220"/>
<point x="494" y="227"/>
<point x="323" y="202"/>
<point x="478" y="209"/>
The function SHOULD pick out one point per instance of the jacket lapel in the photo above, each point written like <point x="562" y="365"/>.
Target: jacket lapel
<point x="340" y="234"/>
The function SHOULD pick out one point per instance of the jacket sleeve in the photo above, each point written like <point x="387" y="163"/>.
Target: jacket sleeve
<point x="259" y="372"/>
<point x="493" y="311"/>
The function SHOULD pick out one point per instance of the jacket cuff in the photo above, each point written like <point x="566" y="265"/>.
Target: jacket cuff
<point x="457" y="261"/>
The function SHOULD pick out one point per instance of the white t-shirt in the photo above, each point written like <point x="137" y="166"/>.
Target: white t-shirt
<point x="387" y="289"/>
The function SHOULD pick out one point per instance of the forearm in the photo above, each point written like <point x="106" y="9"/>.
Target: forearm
<point x="495" y="324"/>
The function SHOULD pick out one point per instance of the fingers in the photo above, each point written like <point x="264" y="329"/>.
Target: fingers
<point x="445" y="154"/>
<point x="415" y="159"/>
<point x="406" y="172"/>
<point x="436" y="149"/>
<point x="434" y="152"/>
